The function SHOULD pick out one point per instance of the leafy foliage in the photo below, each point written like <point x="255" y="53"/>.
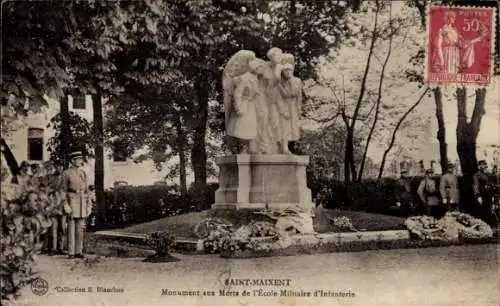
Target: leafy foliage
<point x="172" y="66"/>
<point x="24" y="217"/>
<point x="33" y="55"/>
<point x="82" y="138"/>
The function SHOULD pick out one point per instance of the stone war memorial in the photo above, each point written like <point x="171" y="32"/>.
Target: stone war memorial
<point x="262" y="104"/>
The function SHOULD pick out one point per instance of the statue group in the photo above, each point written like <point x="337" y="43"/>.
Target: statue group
<point x="262" y="102"/>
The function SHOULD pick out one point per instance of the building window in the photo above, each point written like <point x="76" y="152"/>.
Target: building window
<point x="79" y="102"/>
<point x="35" y="144"/>
<point x="119" y="151"/>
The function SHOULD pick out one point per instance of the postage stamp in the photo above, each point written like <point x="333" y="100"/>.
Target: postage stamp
<point x="460" y="45"/>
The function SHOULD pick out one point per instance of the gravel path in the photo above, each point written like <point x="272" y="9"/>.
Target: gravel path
<point x="454" y="276"/>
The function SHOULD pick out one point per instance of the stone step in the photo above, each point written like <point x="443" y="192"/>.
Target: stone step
<point x="196" y="246"/>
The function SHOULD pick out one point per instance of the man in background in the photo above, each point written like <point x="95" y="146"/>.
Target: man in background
<point x="404" y="198"/>
<point x="429" y="194"/>
<point x="448" y="188"/>
<point x="75" y="188"/>
<point x="483" y="192"/>
<point x="58" y="228"/>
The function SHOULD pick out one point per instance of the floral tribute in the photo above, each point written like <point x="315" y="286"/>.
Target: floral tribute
<point x="219" y="236"/>
<point x="343" y="224"/>
<point x="24" y="219"/>
<point x="453" y="226"/>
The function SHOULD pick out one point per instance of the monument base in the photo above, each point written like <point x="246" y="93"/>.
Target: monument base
<point x="260" y="182"/>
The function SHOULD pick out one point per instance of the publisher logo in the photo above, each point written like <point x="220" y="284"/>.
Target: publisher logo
<point x="40" y="286"/>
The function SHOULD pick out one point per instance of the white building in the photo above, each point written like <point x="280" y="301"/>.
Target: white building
<point x="30" y="143"/>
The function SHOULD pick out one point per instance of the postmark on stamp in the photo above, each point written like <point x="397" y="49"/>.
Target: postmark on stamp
<point x="460" y="45"/>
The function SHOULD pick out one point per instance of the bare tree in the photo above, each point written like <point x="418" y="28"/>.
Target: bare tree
<point x="349" y="163"/>
<point x="379" y="99"/>
<point x="396" y="129"/>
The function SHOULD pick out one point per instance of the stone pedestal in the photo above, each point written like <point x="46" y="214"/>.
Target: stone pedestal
<point x="263" y="182"/>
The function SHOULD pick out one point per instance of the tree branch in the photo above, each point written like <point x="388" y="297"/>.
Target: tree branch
<point x="367" y="68"/>
<point x="478" y="112"/>
<point x="379" y="99"/>
<point x="394" y="132"/>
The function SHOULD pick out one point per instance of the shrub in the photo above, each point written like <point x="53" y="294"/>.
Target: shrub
<point x="23" y="220"/>
<point x="378" y="196"/>
<point x="128" y="205"/>
<point x="160" y="242"/>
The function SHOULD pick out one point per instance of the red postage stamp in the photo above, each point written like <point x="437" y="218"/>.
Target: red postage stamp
<point x="460" y="45"/>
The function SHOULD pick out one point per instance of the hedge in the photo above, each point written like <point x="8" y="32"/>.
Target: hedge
<point x="128" y="205"/>
<point x="381" y="196"/>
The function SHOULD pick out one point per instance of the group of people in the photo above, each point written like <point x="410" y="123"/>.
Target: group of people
<point x="445" y="196"/>
<point x="65" y="197"/>
<point x="262" y="101"/>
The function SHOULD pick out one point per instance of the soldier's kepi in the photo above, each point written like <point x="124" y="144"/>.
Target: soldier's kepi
<point x="74" y="185"/>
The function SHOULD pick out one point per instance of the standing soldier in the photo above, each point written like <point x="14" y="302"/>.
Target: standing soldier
<point x="75" y="187"/>
<point x="58" y="228"/>
<point x="448" y="187"/>
<point x="404" y="198"/>
<point x="429" y="194"/>
<point x="483" y="192"/>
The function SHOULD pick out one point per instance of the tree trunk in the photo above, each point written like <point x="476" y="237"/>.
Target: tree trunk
<point x="181" y="147"/>
<point x="441" y="134"/>
<point x="349" y="165"/>
<point x="65" y="131"/>
<point x="99" y="157"/>
<point x="467" y="131"/>
<point x="347" y="172"/>
<point x="10" y="159"/>
<point x="199" y="151"/>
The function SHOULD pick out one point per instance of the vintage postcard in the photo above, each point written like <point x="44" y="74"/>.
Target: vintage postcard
<point x="242" y="152"/>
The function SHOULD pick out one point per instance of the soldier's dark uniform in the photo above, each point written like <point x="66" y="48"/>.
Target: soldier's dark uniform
<point x="59" y="224"/>
<point x="483" y="192"/>
<point x="403" y="195"/>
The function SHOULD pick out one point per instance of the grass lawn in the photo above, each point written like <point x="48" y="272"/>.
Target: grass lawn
<point x="182" y="226"/>
<point x="361" y="221"/>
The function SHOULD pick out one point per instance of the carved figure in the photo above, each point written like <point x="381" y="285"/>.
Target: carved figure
<point x="290" y="89"/>
<point x="237" y="66"/>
